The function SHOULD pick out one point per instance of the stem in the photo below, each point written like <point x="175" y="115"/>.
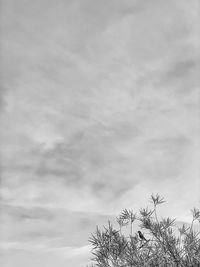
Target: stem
<point x="131" y="228"/>
<point x="168" y="249"/>
<point x="191" y="227"/>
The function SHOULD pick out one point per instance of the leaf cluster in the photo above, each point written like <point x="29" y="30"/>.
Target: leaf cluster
<point x="164" y="243"/>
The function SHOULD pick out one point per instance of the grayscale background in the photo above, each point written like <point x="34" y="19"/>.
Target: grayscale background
<point x="99" y="109"/>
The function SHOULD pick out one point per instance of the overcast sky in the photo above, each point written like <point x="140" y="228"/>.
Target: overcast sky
<point x="99" y="109"/>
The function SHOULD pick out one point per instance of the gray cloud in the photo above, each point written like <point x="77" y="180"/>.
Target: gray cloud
<point x="165" y="157"/>
<point x="181" y="69"/>
<point x="52" y="226"/>
<point x="181" y="76"/>
<point x="26" y="213"/>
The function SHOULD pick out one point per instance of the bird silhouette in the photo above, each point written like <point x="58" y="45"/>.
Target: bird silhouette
<point x="141" y="236"/>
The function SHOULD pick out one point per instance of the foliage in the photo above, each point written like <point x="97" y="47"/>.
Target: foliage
<point x="166" y="245"/>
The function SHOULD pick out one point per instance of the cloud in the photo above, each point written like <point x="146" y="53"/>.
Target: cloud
<point x="14" y="255"/>
<point x="49" y="227"/>
<point x="25" y="213"/>
<point x="101" y="109"/>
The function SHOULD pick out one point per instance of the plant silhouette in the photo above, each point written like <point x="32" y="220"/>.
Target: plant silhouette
<point x="167" y="245"/>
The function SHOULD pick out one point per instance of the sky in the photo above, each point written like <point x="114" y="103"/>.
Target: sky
<point x="99" y="108"/>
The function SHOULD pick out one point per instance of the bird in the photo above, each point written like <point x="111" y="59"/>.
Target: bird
<point x="141" y="236"/>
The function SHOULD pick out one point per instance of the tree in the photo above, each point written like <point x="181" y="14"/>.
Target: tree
<point x="166" y="244"/>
